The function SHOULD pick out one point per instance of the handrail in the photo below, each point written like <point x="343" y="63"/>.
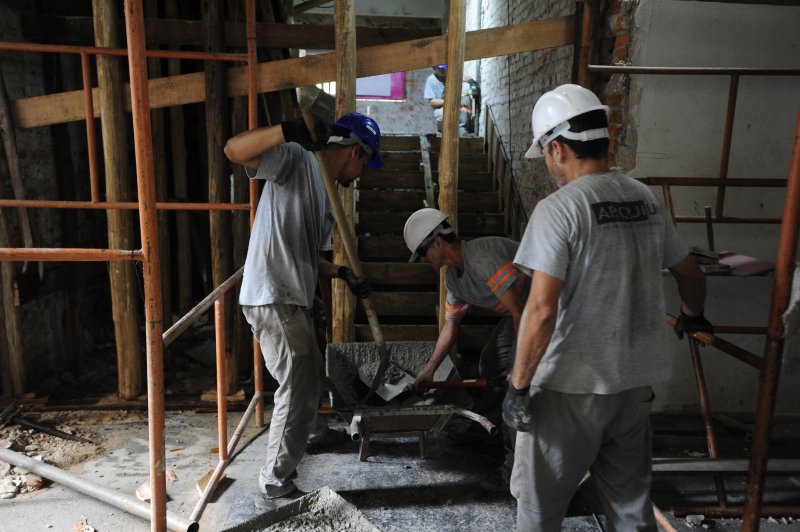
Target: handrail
<point x="518" y="212"/>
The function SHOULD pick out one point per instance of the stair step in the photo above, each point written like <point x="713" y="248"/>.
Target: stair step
<point x="411" y="200"/>
<point x="469" y="224"/>
<point x="398" y="160"/>
<point x="470" y="337"/>
<point x="411" y="179"/>
<point x="399" y="143"/>
<point x="402" y="274"/>
<point x="469" y="144"/>
<point x="413" y="305"/>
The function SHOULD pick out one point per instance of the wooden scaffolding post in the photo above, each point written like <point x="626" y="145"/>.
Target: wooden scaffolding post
<point x="344" y="303"/>
<point x="140" y="108"/>
<point x="124" y="288"/>
<point x="217" y="133"/>
<point x="448" y="155"/>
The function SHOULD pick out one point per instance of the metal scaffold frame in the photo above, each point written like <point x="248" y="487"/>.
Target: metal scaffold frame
<point x="769" y="364"/>
<point x="148" y="255"/>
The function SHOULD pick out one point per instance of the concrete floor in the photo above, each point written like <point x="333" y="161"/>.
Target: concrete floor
<point x="396" y="489"/>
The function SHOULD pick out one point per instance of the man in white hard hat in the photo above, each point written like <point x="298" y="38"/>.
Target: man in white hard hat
<point x="592" y="340"/>
<point x="480" y="273"/>
<point x="285" y="257"/>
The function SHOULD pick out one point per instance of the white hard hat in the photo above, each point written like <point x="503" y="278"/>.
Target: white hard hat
<point x="552" y="111"/>
<point x="421" y="226"/>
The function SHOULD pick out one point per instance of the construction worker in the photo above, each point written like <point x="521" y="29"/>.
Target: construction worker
<point x="592" y="340"/>
<point x="480" y="273"/>
<point x="291" y="232"/>
<point x="434" y="93"/>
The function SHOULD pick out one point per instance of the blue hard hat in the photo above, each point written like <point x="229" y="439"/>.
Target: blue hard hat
<point x="362" y="130"/>
<point x="442" y="67"/>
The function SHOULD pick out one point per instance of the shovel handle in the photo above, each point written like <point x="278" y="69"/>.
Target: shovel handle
<point x="345" y="232"/>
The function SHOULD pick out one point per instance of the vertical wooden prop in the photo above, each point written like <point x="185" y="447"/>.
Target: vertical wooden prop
<point x="125" y="300"/>
<point x="217" y="133"/>
<point x="178" y="145"/>
<point x="448" y="156"/>
<point x="344" y="303"/>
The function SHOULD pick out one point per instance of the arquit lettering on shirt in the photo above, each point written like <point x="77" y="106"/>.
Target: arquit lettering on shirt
<point x="606" y="212"/>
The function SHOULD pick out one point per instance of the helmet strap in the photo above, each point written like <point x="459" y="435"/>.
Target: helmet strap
<point x="562" y="130"/>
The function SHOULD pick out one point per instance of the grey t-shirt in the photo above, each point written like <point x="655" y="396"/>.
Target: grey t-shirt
<point x="607" y="238"/>
<point x="293" y="224"/>
<point x="488" y="272"/>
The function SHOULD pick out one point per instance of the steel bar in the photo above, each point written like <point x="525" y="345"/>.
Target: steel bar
<point x="222" y="464"/>
<point x="713" y="182"/>
<point x="662" y="520"/>
<point x="19" y="420"/>
<point x="69" y="254"/>
<point x="252" y="123"/>
<point x="735" y="511"/>
<point x="705" y="409"/>
<point x="222" y="378"/>
<point x="182" y="324"/>
<point x="693" y="71"/>
<point x="151" y="268"/>
<point x="773" y="350"/>
<point x="109" y="496"/>
<point x="98" y="50"/>
<point x="725" y="157"/>
<point x="667" y="192"/>
<point x="91" y="145"/>
<point x="721" y="466"/>
<point x="585" y="43"/>
<point x="726" y="347"/>
<point x="482" y="420"/>
<point x="726" y="220"/>
<point x="128" y="205"/>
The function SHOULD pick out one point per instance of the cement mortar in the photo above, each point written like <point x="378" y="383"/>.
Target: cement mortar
<point x="342" y="363"/>
<point x="320" y="511"/>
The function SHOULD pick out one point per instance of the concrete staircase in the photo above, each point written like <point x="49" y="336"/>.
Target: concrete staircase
<point x="406" y="295"/>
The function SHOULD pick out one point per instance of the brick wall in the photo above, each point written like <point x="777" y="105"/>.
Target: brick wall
<point x="512" y="84"/>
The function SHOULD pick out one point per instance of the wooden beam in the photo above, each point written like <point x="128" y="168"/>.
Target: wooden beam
<point x="344" y="303"/>
<point x="309" y="70"/>
<point x="125" y="295"/>
<point x="175" y="32"/>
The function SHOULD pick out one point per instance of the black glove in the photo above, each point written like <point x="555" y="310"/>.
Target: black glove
<point x="515" y="408"/>
<point x="296" y="131"/>
<point x="690" y="324"/>
<point x="360" y="286"/>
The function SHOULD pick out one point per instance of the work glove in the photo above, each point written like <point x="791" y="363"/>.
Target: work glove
<point x="689" y="324"/>
<point x="360" y="286"/>
<point x="297" y="131"/>
<point x="515" y="408"/>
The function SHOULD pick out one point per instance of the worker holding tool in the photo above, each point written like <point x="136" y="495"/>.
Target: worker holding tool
<point x="592" y="341"/>
<point x="291" y="233"/>
<point x="480" y="273"/>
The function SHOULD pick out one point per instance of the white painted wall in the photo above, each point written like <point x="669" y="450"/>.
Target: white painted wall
<point x="679" y="123"/>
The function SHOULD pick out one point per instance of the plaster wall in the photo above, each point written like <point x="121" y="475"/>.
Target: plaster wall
<point x="679" y="122"/>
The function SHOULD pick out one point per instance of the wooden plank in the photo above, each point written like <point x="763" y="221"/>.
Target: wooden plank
<point x="678" y="466"/>
<point x="414" y="305"/>
<point x="309" y="70"/>
<point x="401" y="160"/>
<point x="469" y="181"/>
<point x="465" y="144"/>
<point x="425" y="156"/>
<point x="382" y="248"/>
<point x="12" y="362"/>
<point x="176" y="32"/>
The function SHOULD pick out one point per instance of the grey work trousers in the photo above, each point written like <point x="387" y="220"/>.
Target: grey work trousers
<point x="607" y="435"/>
<point x="289" y="347"/>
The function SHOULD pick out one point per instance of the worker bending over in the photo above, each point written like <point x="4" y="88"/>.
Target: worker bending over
<point x="480" y="273"/>
<point x="592" y="339"/>
<point x="292" y="230"/>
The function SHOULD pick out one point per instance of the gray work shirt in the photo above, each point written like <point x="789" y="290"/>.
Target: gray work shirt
<point x="293" y="224"/>
<point x="488" y="272"/>
<point x="607" y="238"/>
